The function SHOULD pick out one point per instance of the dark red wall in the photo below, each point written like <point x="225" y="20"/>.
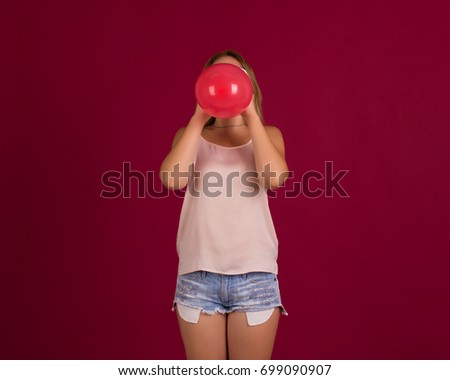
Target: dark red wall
<point x="89" y="86"/>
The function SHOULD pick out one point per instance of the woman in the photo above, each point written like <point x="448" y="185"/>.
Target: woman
<point x="227" y="295"/>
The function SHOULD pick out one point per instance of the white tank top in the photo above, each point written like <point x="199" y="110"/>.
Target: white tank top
<point x="225" y="222"/>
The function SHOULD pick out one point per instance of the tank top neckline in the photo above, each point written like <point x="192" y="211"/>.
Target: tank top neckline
<point x="226" y="147"/>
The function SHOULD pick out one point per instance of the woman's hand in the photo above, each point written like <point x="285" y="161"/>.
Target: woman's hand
<point x="201" y="115"/>
<point x="250" y="111"/>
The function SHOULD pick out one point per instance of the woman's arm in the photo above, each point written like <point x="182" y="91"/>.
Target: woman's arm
<point x="268" y="146"/>
<point x="175" y="167"/>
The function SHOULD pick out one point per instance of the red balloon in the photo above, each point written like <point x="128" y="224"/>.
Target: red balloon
<point x="223" y="90"/>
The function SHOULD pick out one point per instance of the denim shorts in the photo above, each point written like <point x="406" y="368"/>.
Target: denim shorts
<point x="224" y="293"/>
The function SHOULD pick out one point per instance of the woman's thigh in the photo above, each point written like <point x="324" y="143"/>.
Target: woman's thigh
<point x="206" y="339"/>
<point x="251" y="342"/>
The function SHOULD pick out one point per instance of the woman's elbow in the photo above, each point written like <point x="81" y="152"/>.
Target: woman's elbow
<point x="171" y="183"/>
<point x="277" y="181"/>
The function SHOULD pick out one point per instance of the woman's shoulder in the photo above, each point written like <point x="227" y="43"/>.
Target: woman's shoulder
<point x="272" y="129"/>
<point x="276" y="137"/>
<point x="177" y="136"/>
<point x="274" y="132"/>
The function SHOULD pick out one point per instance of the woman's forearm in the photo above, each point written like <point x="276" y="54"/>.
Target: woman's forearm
<point x="270" y="163"/>
<point x="174" y="171"/>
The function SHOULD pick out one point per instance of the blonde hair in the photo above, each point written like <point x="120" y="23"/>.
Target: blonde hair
<point x="251" y="74"/>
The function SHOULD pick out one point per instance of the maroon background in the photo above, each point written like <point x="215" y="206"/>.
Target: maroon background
<point x="90" y="85"/>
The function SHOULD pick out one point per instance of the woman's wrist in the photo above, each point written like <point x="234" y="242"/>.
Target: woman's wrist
<point x="200" y="116"/>
<point x="198" y="121"/>
<point x="251" y="118"/>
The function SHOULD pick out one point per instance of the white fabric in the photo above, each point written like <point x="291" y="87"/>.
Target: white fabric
<point x="189" y="314"/>
<point x="229" y="233"/>
<point x="257" y="317"/>
<point x="192" y="315"/>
